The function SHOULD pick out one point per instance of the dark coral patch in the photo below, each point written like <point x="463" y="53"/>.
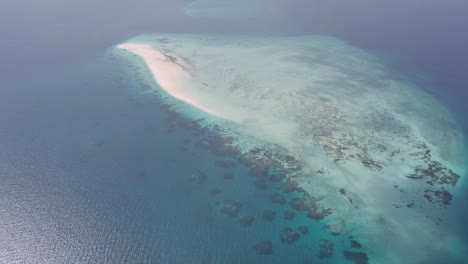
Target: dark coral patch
<point x="355" y="244"/>
<point x="303" y="229"/>
<point x="214" y="191"/>
<point x="225" y="163"/>
<point x="326" y="249"/>
<point x="309" y="205"/>
<point x="183" y="149"/>
<point x="231" y="207"/>
<point x="289" y="215"/>
<point x="219" y="146"/>
<point x="263" y="162"/>
<point x="345" y="193"/>
<point x="291" y="185"/>
<point x="228" y="176"/>
<point x="369" y="163"/>
<point x="170" y="115"/>
<point x="247" y="221"/>
<point x="277" y="177"/>
<point x="261" y="184"/>
<point x="269" y="215"/>
<point x="170" y="128"/>
<point x="435" y="174"/>
<point x="264" y="247"/>
<point x="198" y="177"/>
<point x="440" y="196"/>
<point x="260" y="170"/>
<point x="288" y="235"/>
<point x="356" y="257"/>
<point x="278" y="198"/>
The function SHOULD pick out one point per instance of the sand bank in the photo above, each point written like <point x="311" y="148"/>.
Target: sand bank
<point x="354" y="127"/>
<point x="170" y="75"/>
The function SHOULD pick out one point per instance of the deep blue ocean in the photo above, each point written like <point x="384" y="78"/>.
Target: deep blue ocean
<point x="92" y="171"/>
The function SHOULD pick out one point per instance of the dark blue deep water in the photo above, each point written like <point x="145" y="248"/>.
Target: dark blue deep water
<point x="91" y="171"/>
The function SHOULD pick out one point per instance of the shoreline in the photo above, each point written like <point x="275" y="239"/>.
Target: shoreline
<point x="170" y="76"/>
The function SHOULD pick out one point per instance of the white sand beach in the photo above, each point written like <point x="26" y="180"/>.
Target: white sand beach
<point x="170" y="76"/>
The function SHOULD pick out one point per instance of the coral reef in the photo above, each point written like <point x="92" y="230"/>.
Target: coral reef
<point x="225" y="163"/>
<point x="199" y="177"/>
<point x="310" y="206"/>
<point x="356" y="257"/>
<point x="278" y="198"/>
<point x="228" y="176"/>
<point x="331" y="121"/>
<point x="336" y="227"/>
<point x="326" y="249"/>
<point x="214" y="191"/>
<point x="289" y="215"/>
<point x="434" y="173"/>
<point x="303" y="229"/>
<point x="355" y="244"/>
<point x="288" y="235"/>
<point x="291" y="185"/>
<point x="261" y="184"/>
<point x="439" y="196"/>
<point x="264" y="247"/>
<point x="277" y="177"/>
<point x="219" y="146"/>
<point x="247" y="221"/>
<point x="231" y="207"/>
<point x="269" y="215"/>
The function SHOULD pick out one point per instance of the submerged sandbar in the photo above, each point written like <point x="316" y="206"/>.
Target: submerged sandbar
<point x="372" y="147"/>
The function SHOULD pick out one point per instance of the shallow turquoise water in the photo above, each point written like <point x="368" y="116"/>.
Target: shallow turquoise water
<point x="106" y="183"/>
<point x="94" y="176"/>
